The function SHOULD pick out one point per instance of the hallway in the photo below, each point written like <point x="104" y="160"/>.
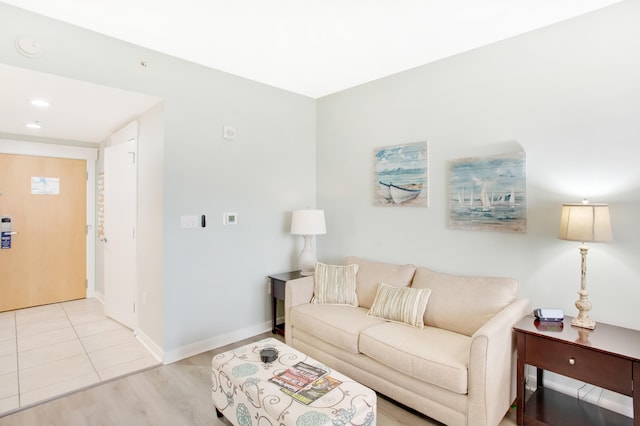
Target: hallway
<point x="50" y="350"/>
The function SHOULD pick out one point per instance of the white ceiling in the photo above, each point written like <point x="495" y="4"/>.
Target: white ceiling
<point x="311" y="47"/>
<point x="78" y="111"/>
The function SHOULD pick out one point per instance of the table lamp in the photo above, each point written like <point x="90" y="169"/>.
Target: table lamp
<point x="585" y="222"/>
<point x="308" y="223"/>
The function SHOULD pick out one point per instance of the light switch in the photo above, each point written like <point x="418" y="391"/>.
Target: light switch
<point x="189" y="221"/>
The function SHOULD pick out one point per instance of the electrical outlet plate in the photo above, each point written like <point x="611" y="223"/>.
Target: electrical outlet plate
<point x="230" y="218"/>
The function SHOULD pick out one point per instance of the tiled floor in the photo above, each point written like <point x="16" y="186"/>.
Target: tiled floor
<point x="50" y="350"/>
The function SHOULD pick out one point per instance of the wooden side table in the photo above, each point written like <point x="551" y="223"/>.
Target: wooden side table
<point x="607" y="357"/>
<point x="278" y="283"/>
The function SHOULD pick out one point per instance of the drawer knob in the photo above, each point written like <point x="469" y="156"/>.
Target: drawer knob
<point x="572" y="361"/>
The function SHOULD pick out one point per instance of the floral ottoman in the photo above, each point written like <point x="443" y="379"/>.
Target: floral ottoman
<point x="294" y="389"/>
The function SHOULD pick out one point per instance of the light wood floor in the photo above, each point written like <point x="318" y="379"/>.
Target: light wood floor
<point x="175" y="394"/>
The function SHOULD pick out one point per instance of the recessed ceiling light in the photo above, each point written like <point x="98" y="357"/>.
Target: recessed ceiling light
<point x="34" y="125"/>
<point x="39" y="103"/>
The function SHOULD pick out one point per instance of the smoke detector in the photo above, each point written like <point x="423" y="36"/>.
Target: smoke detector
<point x="28" y="47"/>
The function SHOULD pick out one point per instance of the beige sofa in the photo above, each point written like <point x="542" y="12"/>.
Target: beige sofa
<point x="459" y="369"/>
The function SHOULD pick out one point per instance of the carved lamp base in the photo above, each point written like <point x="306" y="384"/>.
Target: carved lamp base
<point x="584" y="306"/>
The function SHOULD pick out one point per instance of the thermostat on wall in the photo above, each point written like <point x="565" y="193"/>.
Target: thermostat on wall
<point x="230" y="219"/>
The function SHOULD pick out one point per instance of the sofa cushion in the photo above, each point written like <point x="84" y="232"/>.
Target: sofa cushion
<point x="335" y="284"/>
<point x="463" y="303"/>
<point x="404" y="305"/>
<point x="433" y="355"/>
<point x="372" y="273"/>
<point x="338" y="325"/>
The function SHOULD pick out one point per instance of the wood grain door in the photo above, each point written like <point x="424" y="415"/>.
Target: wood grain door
<point x="46" y="199"/>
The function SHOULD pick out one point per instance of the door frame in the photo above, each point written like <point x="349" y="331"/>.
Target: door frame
<point x="37" y="149"/>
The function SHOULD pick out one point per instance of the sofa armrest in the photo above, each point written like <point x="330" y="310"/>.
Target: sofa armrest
<point x="492" y="365"/>
<point x="297" y="292"/>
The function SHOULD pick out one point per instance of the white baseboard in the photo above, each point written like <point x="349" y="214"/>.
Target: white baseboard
<point x="214" y="342"/>
<point x="151" y="346"/>
<point x="603" y="398"/>
<point x="98" y="295"/>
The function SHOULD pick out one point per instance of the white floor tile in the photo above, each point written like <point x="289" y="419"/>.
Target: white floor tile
<point x="8" y="385"/>
<point x="7" y="314"/>
<point x="10" y="403"/>
<point x="39" y="313"/>
<point x="97" y="327"/>
<point x="7" y="328"/>
<point x="42" y="326"/>
<point x="54" y="372"/>
<point x="109" y="357"/>
<point x="53" y="352"/>
<point x="79" y="318"/>
<point x="128" y="367"/>
<point x="83" y="305"/>
<point x="46" y="338"/>
<point x="7" y="347"/>
<point x="8" y="364"/>
<point x="58" y="388"/>
<point x="44" y="351"/>
<point x="107" y="339"/>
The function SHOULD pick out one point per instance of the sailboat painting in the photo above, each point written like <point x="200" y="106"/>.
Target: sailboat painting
<point x="488" y="193"/>
<point x="401" y="175"/>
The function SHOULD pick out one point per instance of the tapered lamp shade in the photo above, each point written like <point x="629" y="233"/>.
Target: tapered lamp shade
<point x="585" y="222"/>
<point x="308" y="223"/>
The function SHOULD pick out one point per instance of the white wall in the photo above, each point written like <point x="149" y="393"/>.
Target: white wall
<point x="150" y="297"/>
<point x="213" y="279"/>
<point x="568" y="95"/>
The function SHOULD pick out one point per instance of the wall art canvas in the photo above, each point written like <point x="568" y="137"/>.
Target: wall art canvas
<point x="401" y="175"/>
<point x="488" y="193"/>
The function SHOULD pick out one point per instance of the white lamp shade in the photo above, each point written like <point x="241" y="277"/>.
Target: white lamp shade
<point x="585" y="222"/>
<point x="308" y="222"/>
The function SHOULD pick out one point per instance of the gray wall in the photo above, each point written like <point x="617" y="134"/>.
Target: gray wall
<point x="213" y="279"/>
<point x="568" y="95"/>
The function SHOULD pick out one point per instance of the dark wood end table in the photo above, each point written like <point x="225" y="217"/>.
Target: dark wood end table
<point x="278" y="285"/>
<point x="607" y="357"/>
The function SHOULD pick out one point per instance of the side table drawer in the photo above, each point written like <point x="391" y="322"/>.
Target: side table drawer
<point x="600" y="369"/>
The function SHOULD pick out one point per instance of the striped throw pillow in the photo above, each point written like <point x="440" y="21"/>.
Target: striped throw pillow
<point x="335" y="285"/>
<point x="400" y="304"/>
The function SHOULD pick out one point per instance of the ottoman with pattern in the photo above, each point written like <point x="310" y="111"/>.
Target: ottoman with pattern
<point x="247" y="391"/>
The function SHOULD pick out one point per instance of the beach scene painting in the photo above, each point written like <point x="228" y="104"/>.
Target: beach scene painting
<point x="401" y="175"/>
<point x="488" y="193"/>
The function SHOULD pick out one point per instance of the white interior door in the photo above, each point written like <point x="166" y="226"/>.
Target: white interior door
<point x="120" y="210"/>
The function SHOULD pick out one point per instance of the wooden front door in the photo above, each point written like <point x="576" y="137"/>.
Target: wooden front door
<point x="46" y="200"/>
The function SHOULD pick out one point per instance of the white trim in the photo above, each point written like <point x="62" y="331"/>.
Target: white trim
<point x="37" y="149"/>
<point x="214" y="342"/>
<point x="91" y="229"/>
<point x="148" y="343"/>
